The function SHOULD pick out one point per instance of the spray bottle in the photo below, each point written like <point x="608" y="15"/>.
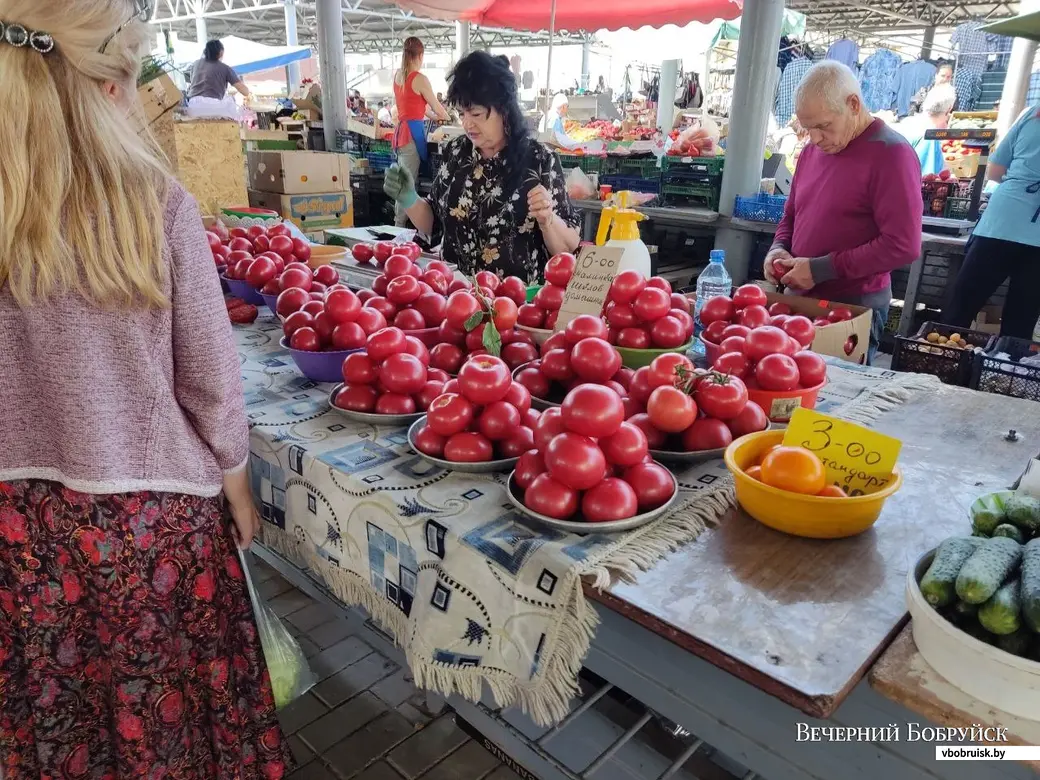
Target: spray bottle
<point x="625" y="234"/>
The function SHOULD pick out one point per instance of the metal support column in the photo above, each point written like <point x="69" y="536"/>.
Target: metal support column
<point x="461" y="40"/>
<point x="927" y="40"/>
<point x="1016" y="85"/>
<point x="586" y="51"/>
<point x="292" y="38"/>
<point x="201" y="29"/>
<point x="333" y="70"/>
<point x="752" y="102"/>
<point x="666" y="97"/>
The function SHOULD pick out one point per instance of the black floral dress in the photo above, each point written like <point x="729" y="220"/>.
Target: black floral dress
<point x="486" y="228"/>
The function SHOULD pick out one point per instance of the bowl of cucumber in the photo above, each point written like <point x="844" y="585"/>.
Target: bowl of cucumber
<point x="975" y="606"/>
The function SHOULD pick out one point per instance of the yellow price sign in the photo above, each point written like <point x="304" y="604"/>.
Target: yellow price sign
<point x="856" y="458"/>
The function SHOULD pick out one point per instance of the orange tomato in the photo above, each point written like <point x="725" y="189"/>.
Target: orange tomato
<point x="832" y="491"/>
<point x="766" y="452"/>
<point x="755" y="472"/>
<point x="794" y="469"/>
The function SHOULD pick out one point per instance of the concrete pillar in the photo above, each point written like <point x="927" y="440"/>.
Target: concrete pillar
<point x="753" y="86"/>
<point x="586" y="51"/>
<point x="201" y="28"/>
<point x="666" y="102"/>
<point x="329" y="15"/>
<point x="292" y="38"/>
<point x="926" y="43"/>
<point x="461" y="40"/>
<point x="1020" y="67"/>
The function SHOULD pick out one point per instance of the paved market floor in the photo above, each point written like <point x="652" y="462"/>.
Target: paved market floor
<point x="364" y="720"/>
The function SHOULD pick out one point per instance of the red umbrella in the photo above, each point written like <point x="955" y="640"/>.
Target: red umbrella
<point x="536" y="15"/>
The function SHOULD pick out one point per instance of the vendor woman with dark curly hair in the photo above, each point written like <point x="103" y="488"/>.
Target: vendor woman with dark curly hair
<point x="499" y="195"/>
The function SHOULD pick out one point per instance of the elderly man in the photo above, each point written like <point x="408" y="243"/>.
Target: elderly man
<point x="854" y="212"/>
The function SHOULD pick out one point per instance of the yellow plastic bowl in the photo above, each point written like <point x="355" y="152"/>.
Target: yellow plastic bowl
<point x="322" y="254"/>
<point x="815" y="517"/>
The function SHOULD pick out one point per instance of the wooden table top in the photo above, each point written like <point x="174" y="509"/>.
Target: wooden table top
<point x="804" y="619"/>
<point x="901" y="674"/>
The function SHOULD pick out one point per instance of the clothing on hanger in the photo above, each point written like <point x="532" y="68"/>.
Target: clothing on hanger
<point x="844" y="51"/>
<point x="1001" y="46"/>
<point x="969" y="43"/>
<point x="911" y="77"/>
<point x="878" y="79"/>
<point x="968" y="84"/>
<point x="1033" y="95"/>
<point x="790" y="79"/>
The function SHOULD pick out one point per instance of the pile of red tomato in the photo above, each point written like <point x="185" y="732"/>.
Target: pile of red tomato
<point x="542" y="312"/>
<point x="260" y="255"/>
<point x="578" y="354"/>
<point x="407" y="296"/>
<point x="688" y="410"/>
<point x="768" y="348"/>
<point x="327" y="321"/>
<point x="589" y="464"/>
<point x="480" y="416"/>
<point x="390" y="376"/>
<point x="645" y="314"/>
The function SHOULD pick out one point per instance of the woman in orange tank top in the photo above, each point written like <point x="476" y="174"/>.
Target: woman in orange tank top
<point x="415" y="99"/>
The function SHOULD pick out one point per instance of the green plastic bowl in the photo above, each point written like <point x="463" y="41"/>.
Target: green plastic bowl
<point x="637" y="358"/>
<point x="533" y="291"/>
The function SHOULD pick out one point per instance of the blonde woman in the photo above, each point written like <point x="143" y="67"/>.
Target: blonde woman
<point x="414" y="97"/>
<point x="128" y="647"/>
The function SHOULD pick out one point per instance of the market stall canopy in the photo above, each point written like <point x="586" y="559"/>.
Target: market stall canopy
<point x="242" y="55"/>
<point x="793" y="25"/>
<point x="534" y="15"/>
<point x="1025" y="26"/>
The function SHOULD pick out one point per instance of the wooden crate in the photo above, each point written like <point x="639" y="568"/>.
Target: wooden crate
<point x="206" y="156"/>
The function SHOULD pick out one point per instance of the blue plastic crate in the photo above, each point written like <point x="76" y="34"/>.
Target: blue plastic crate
<point x="379" y="161"/>
<point x="760" y="208"/>
<point x="632" y="183"/>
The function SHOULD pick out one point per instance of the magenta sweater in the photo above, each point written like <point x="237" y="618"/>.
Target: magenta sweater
<point x="857" y="214"/>
<point x="117" y="402"/>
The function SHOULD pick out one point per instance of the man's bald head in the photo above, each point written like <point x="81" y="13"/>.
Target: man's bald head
<point x="829" y="105"/>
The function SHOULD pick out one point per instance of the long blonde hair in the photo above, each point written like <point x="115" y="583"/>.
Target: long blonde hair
<point x="82" y="194"/>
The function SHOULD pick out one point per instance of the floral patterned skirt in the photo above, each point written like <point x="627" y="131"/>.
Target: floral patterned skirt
<point x="128" y="647"/>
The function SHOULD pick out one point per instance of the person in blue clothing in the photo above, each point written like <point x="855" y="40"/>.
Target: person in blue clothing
<point x="935" y="115"/>
<point x="1006" y="242"/>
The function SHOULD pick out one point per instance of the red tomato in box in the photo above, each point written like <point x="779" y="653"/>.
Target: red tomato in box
<point x="780" y="308"/>
<point x="841" y="314"/>
<point x="801" y="329"/>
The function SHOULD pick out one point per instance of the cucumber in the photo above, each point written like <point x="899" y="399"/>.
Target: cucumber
<point x="1017" y="643"/>
<point x="937" y="585"/>
<point x="986" y="514"/>
<point x="963" y="611"/>
<point x="1001" y="614"/>
<point x="1024" y="511"/>
<point x="974" y="629"/>
<point x="1011" y="532"/>
<point x="987" y="568"/>
<point x="1031" y="584"/>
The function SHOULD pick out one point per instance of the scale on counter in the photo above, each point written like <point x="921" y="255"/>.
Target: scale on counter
<point x="978" y="139"/>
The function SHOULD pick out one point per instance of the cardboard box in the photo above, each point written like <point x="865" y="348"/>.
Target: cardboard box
<point x="308" y="98"/>
<point x="312" y="212"/>
<point x="298" y="173"/>
<point x="845" y="340"/>
<point x="157" y="97"/>
<point x="361" y="128"/>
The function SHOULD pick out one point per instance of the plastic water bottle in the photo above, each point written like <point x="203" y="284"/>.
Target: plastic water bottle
<point x="713" y="280"/>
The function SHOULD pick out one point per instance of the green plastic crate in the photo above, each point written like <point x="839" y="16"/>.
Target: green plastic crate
<point x="711" y="166"/>
<point x="638" y="167"/>
<point x="957" y="208"/>
<point x="690" y="195"/>
<point x="379" y="147"/>
<point x="588" y="163"/>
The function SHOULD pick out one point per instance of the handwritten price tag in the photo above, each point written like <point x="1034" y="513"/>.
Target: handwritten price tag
<point x="587" y="292"/>
<point x="856" y="458"/>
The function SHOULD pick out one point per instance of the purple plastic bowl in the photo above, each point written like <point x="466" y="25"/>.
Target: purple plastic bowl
<point x="271" y="301"/>
<point x="223" y="281"/>
<point x="244" y="290"/>
<point x="319" y="366"/>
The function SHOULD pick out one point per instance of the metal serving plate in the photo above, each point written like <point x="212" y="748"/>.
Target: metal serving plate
<point x="537" y="403"/>
<point x="582" y="527"/>
<point x="484" y="467"/>
<point x="371" y="417"/>
<point x="701" y="456"/>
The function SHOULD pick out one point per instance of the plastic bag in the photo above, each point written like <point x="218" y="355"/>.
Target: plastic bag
<point x="579" y="186"/>
<point x="291" y="675"/>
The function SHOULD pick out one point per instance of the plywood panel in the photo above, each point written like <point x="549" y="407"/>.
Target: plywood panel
<point x="206" y="156"/>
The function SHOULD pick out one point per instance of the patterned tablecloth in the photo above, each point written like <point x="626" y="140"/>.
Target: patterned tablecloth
<point x="474" y="594"/>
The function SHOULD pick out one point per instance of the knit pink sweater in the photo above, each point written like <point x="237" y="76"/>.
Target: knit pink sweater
<point x="126" y="401"/>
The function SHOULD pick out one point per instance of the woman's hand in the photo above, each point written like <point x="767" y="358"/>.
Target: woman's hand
<point x="540" y="206"/>
<point x="239" y="497"/>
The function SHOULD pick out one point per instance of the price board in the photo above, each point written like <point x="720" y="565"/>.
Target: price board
<point x="587" y="292"/>
<point x="857" y="459"/>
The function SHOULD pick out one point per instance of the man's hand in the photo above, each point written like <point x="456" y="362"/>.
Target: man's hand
<point x="783" y="261"/>
<point x="540" y="206"/>
<point x="800" y="274"/>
